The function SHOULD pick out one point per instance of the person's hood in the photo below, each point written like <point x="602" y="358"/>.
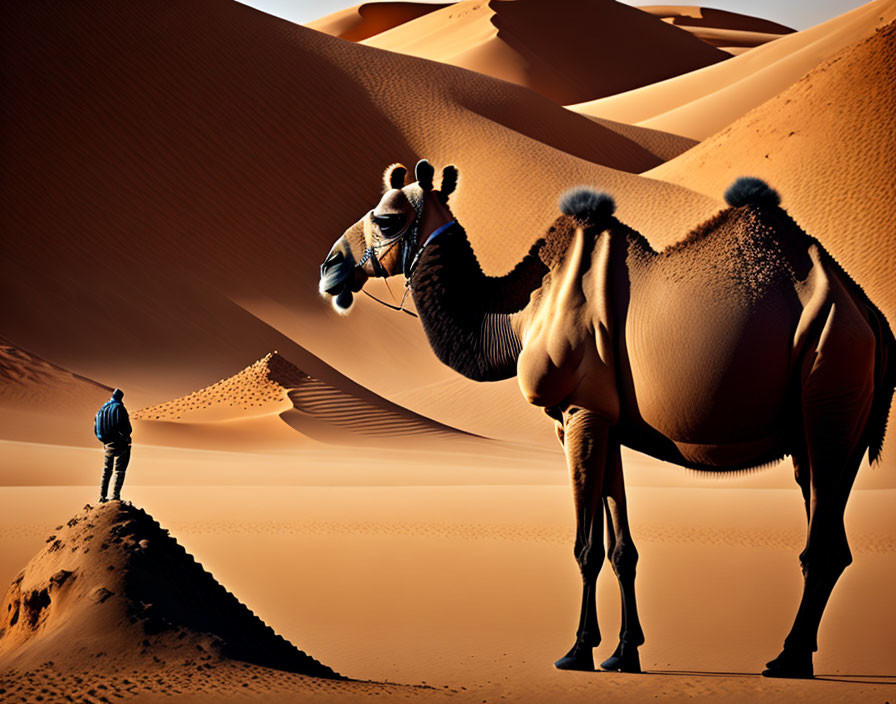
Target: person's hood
<point x="117" y="395"/>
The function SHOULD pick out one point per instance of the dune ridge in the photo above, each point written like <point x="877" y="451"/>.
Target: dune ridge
<point x="703" y="102"/>
<point x="247" y="408"/>
<point x="568" y="51"/>
<point x="730" y="31"/>
<point x="362" y="21"/>
<point x="26" y="378"/>
<point x="41" y="401"/>
<point x="196" y="270"/>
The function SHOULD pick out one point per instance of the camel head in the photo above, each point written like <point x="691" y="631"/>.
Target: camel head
<point x="387" y="239"/>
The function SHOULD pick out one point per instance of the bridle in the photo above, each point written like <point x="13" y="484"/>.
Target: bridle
<point x="410" y="252"/>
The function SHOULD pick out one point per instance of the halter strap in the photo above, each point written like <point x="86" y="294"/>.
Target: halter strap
<point x="407" y="285"/>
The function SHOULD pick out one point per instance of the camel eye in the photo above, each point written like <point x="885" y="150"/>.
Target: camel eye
<point x="390" y="225"/>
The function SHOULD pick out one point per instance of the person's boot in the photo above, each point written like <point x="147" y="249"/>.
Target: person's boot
<point x="102" y="500"/>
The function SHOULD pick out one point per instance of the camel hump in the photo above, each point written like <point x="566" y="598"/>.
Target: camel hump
<point x="588" y="205"/>
<point x="748" y="190"/>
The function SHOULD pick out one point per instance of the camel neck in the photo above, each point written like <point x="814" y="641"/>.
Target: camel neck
<point x="468" y="316"/>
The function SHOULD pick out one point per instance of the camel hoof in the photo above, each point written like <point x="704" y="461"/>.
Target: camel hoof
<point x="791" y="666"/>
<point x="577" y="659"/>
<point x="623" y="659"/>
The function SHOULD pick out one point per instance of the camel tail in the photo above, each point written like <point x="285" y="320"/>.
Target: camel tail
<point x="748" y="190"/>
<point x="588" y="205"/>
<point x="884" y="383"/>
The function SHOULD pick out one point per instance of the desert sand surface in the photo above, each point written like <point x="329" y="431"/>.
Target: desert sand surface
<point x="179" y="174"/>
<point x="730" y="31"/>
<point x="552" y="48"/>
<point x="470" y="591"/>
<point x="362" y="21"/>
<point x="703" y="102"/>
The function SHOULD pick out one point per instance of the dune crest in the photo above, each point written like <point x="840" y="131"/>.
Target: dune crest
<point x="40" y="400"/>
<point x="362" y="21"/>
<point x="568" y="51"/>
<point x="730" y="31"/>
<point x="264" y="404"/>
<point x="114" y="581"/>
<point x="703" y="102"/>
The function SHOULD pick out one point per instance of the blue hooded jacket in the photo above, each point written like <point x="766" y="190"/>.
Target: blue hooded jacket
<point x="112" y="420"/>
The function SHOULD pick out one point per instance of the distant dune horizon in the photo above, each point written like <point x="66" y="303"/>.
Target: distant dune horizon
<point x="176" y="176"/>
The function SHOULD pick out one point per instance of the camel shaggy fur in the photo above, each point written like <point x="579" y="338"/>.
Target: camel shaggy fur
<point x="741" y="344"/>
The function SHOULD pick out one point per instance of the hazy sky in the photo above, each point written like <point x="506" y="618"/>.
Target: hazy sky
<point x="798" y="14"/>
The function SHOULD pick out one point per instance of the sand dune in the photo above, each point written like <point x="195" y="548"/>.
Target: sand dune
<point x="113" y="581"/>
<point x="569" y="51"/>
<point x="703" y="102"/>
<point x="43" y="402"/>
<point x="362" y="21"/>
<point x="260" y="407"/>
<point x="196" y="269"/>
<point x="726" y="30"/>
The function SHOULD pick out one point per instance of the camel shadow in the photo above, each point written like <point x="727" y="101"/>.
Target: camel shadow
<point x="885" y="680"/>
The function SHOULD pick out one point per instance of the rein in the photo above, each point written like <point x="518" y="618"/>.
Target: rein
<point x="380" y="270"/>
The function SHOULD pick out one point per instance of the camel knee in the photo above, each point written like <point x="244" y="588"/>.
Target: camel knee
<point x="624" y="558"/>
<point x="830" y="559"/>
<point x="589" y="557"/>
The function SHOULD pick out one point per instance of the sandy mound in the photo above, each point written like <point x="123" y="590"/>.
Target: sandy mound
<point x="112" y="581"/>
<point x="703" y="102"/>
<point x="362" y="21"/>
<point x="43" y="402"/>
<point x="569" y="51"/>
<point x="195" y="270"/>
<point x="261" y="407"/>
<point x="730" y="31"/>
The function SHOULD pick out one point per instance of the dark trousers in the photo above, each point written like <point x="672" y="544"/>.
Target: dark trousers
<point x="117" y="456"/>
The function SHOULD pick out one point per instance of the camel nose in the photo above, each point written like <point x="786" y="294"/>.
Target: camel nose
<point x="337" y="268"/>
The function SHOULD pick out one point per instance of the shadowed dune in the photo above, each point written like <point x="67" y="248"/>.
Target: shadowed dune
<point x="703" y="102"/>
<point x="178" y="177"/>
<point x="569" y="51"/>
<point x="114" y="582"/>
<point x="43" y="402"/>
<point x="729" y="31"/>
<point x="262" y="405"/>
<point x="361" y="21"/>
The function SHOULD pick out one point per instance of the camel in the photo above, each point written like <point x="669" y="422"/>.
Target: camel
<point x="743" y="343"/>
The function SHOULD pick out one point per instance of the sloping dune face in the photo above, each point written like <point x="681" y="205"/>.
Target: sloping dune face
<point x="703" y="102"/>
<point x="112" y="580"/>
<point x="267" y="401"/>
<point x="569" y="51"/>
<point x="180" y="175"/>
<point x="730" y="31"/>
<point x="363" y="21"/>
<point x="41" y="401"/>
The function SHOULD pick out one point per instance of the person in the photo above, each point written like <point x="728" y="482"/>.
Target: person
<point x="113" y="429"/>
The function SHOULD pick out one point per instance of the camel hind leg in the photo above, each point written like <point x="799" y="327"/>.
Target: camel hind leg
<point x="623" y="556"/>
<point x="837" y="391"/>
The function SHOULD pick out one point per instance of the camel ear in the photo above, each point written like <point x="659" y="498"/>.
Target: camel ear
<point x="424" y="172"/>
<point x="449" y="180"/>
<point x="394" y="176"/>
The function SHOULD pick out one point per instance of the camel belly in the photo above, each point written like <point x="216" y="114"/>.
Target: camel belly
<point x="709" y="370"/>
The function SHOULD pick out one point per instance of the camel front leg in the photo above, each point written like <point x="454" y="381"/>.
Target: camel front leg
<point x="585" y="438"/>
<point x="624" y="558"/>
